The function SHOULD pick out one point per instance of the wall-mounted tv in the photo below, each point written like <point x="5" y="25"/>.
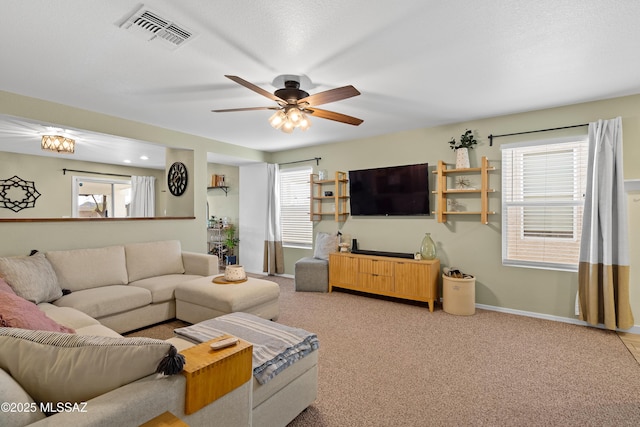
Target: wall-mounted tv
<point x="396" y="190"/>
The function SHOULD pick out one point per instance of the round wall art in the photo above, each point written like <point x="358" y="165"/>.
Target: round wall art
<point x="17" y="194"/>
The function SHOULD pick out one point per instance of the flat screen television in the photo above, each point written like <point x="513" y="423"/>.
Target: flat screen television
<point x="396" y="190"/>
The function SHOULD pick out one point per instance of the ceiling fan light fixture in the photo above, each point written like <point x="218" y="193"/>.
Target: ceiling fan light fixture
<point x="305" y="123"/>
<point x="287" y="127"/>
<point x="277" y="119"/>
<point x="293" y="102"/>
<point x="294" y="115"/>
<point x="58" y="144"/>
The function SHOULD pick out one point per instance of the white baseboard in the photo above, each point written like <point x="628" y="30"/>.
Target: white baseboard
<point x="633" y="330"/>
<point x="288" y="276"/>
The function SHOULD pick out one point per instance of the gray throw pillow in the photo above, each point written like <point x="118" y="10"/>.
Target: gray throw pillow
<point x="31" y="277"/>
<point x="325" y="244"/>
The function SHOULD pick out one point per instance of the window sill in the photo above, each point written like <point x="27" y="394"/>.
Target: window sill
<point x="296" y="246"/>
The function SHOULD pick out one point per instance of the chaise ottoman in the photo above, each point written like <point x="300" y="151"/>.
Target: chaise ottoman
<point x="201" y="299"/>
<point x="283" y="386"/>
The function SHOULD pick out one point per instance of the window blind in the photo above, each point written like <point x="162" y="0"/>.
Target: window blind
<point x="543" y="188"/>
<point x="297" y="228"/>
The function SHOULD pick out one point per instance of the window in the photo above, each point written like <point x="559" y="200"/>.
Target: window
<point x="543" y="188"/>
<point x="297" y="228"/>
<point x="100" y="197"/>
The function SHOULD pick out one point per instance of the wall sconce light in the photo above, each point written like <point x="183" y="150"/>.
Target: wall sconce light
<point x="58" y="144"/>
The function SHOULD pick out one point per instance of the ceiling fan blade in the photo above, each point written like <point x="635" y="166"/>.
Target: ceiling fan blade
<point x="330" y="95"/>
<point x="244" y="109"/>
<point x="255" y="88"/>
<point x="338" y="117"/>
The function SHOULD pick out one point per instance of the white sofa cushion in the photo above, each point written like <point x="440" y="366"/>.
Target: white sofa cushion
<point x="79" y="269"/>
<point x="81" y="322"/>
<point x="67" y="316"/>
<point x="153" y="259"/>
<point x="106" y="300"/>
<point x="162" y="288"/>
<point x="98" y="330"/>
<point x="56" y="367"/>
<point x="25" y="412"/>
<point x="31" y="277"/>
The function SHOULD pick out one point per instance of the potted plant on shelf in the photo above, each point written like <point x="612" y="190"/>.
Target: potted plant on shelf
<point x="230" y="241"/>
<point x="467" y="141"/>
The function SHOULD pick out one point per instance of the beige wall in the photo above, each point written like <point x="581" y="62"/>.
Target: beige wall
<point x="55" y="188"/>
<point x="20" y="238"/>
<point x="464" y="242"/>
<point x="220" y="204"/>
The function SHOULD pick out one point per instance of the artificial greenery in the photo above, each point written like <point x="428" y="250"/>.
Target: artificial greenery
<point x="230" y="239"/>
<point x="467" y="140"/>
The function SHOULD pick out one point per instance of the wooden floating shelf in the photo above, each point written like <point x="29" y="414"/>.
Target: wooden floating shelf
<point x="459" y="191"/>
<point x="442" y="191"/>
<point x="338" y="186"/>
<point x="224" y="188"/>
<point x="465" y="170"/>
<point x="330" y="197"/>
<point x="464" y="213"/>
<point x="329" y="181"/>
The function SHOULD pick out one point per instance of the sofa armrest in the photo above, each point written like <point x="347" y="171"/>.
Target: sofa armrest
<point x="131" y="404"/>
<point x="145" y="399"/>
<point x="200" y="264"/>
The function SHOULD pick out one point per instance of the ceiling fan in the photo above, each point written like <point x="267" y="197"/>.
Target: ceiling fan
<point x="294" y="104"/>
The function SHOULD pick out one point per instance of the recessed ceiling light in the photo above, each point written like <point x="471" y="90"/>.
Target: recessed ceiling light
<point x="144" y="158"/>
<point x="127" y="161"/>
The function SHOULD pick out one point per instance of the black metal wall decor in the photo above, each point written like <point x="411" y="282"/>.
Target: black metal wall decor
<point x="15" y="187"/>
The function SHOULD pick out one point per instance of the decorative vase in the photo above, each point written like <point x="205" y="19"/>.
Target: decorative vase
<point x="427" y="248"/>
<point x="462" y="158"/>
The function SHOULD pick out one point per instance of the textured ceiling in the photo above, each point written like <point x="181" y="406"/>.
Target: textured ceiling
<point x="417" y="63"/>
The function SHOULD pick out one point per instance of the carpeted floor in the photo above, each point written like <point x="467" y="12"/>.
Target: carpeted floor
<point x="388" y="363"/>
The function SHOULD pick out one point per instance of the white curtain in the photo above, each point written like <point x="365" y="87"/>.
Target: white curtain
<point x="603" y="275"/>
<point x="273" y="253"/>
<point x="143" y="196"/>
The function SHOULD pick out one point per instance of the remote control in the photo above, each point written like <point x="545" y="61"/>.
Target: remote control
<point x="227" y="342"/>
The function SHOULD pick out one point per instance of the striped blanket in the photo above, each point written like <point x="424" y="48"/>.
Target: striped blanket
<point x="275" y="346"/>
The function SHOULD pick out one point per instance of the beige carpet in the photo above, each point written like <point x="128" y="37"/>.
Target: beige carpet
<point x="388" y="363"/>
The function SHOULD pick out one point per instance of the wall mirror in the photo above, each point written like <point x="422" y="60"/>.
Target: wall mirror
<point x="92" y="179"/>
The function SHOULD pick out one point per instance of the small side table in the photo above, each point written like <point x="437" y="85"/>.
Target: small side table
<point x="166" y="419"/>
<point x="213" y="373"/>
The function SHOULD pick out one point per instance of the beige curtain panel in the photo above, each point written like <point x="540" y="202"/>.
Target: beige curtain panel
<point x="273" y="254"/>
<point x="603" y="275"/>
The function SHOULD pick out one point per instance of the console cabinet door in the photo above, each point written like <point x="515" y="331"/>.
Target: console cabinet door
<point x="412" y="280"/>
<point x="343" y="270"/>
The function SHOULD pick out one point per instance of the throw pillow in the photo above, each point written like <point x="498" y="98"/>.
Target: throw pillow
<point x="4" y="287"/>
<point x="17" y="312"/>
<point x="55" y="367"/>
<point x="325" y="244"/>
<point x="31" y="277"/>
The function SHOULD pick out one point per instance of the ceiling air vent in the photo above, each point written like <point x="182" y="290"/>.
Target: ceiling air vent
<point x="152" y="27"/>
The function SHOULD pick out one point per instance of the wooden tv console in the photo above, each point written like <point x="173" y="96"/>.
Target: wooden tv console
<point x="415" y="280"/>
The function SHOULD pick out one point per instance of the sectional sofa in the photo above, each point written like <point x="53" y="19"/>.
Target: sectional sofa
<point x="98" y="294"/>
